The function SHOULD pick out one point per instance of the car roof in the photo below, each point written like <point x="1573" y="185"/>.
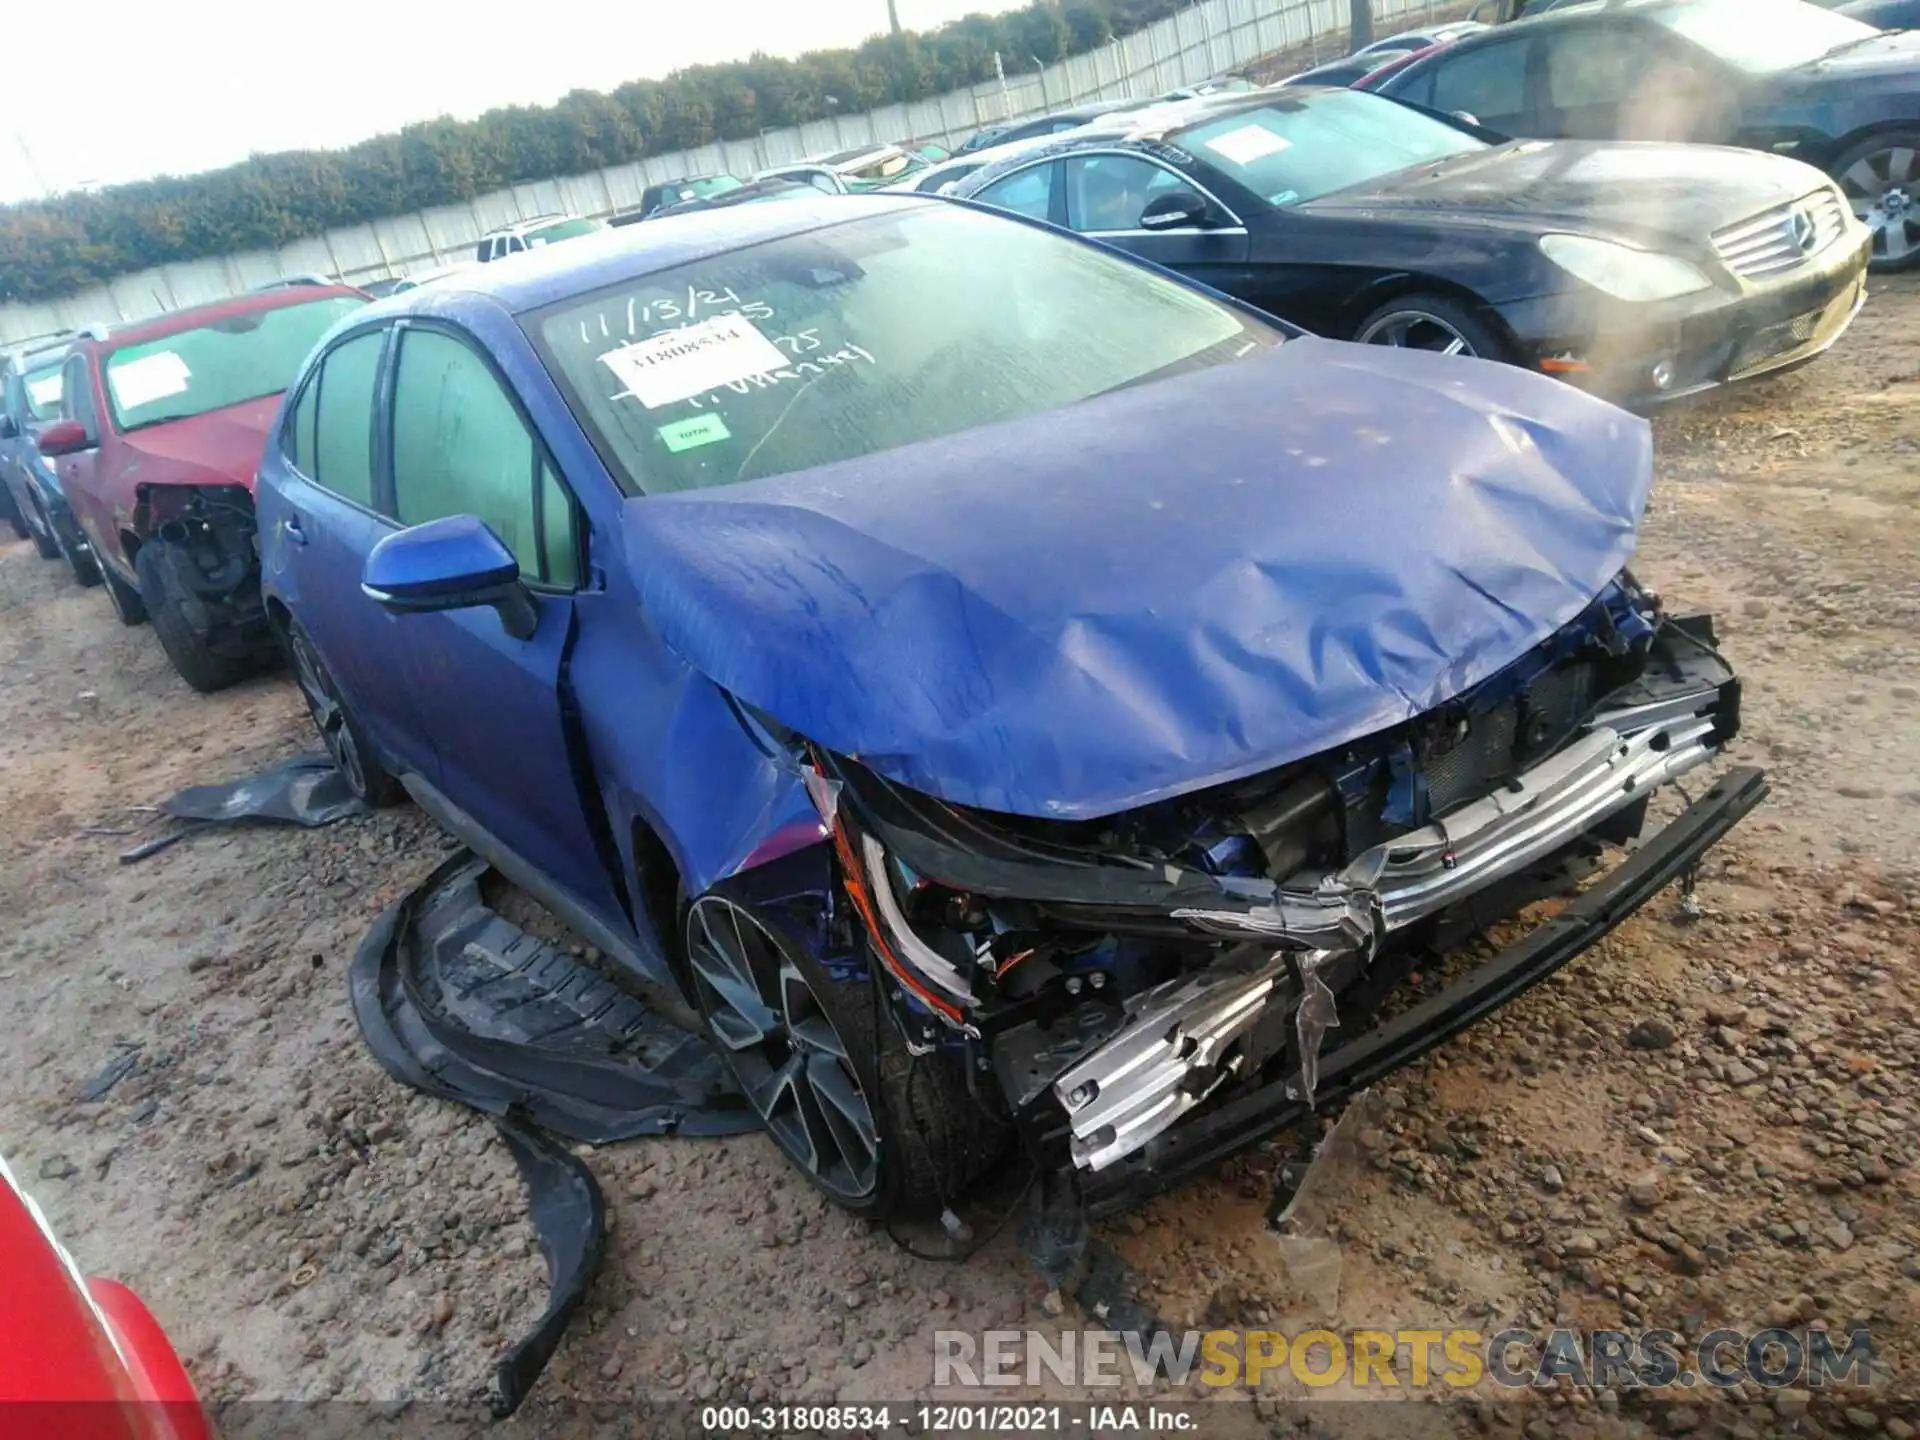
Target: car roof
<point x="32" y="345"/>
<point x="194" y="316"/>
<point x="847" y="157"/>
<point x="1554" y="11"/>
<point x="532" y="222"/>
<point x="1151" y="126"/>
<point x="1011" y="149"/>
<point x="559" y="272"/>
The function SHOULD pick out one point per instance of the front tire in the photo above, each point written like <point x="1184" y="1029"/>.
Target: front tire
<point x="345" y="741"/>
<point x="1881" y="179"/>
<point x="125" y="600"/>
<point x="1433" y="322"/>
<point x="875" y="1129"/>
<point x="179" y="620"/>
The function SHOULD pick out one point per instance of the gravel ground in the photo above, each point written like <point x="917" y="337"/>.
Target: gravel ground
<point x="1708" y="1121"/>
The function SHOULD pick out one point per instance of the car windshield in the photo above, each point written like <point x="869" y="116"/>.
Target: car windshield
<point x="710" y="186"/>
<point x="1761" y="36"/>
<point x="42" y="384"/>
<point x="1289" y="150"/>
<point x="224" y="362"/>
<point x="864" y="336"/>
<point x="559" y="230"/>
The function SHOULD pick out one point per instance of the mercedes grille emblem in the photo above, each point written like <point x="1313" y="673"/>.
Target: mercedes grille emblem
<point x="1805" y="232"/>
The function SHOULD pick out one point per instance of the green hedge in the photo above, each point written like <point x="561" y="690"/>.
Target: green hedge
<point x="55" y="247"/>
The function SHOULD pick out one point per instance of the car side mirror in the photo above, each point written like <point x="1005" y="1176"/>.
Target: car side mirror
<point x="63" y="437"/>
<point x="456" y="563"/>
<point x="1466" y="117"/>
<point x="1176" y="210"/>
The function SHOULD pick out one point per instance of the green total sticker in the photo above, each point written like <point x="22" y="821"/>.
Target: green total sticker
<point x="697" y="431"/>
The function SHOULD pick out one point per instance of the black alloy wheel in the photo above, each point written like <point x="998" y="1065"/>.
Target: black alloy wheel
<point x="1432" y="322"/>
<point x="365" y="775"/>
<point x="799" y="1050"/>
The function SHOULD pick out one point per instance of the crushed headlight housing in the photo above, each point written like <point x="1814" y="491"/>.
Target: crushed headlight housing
<point x="1622" y="271"/>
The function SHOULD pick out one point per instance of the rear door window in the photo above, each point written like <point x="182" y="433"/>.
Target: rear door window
<point x="1026" y="192"/>
<point x="343" y="425"/>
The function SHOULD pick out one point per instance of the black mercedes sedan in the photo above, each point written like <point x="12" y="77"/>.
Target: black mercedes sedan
<point x="1774" y="75"/>
<point x="1640" y="272"/>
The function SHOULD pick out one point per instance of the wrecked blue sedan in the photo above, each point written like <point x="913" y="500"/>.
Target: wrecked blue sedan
<point x="1016" y="700"/>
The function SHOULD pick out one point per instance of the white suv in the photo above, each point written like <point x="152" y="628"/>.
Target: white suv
<point x="532" y="234"/>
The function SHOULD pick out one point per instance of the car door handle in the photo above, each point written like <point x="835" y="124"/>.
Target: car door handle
<point x="291" y="529"/>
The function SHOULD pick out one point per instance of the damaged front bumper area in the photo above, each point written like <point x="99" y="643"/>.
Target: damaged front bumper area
<point x="1149" y="1011"/>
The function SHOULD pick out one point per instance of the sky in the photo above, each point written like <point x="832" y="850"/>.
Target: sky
<point x="195" y="84"/>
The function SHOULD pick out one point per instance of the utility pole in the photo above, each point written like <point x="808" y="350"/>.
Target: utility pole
<point x="893" y="17"/>
<point x="1360" y="24"/>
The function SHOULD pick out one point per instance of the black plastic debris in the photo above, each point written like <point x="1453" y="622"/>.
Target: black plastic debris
<point x="110" y="1074"/>
<point x="307" y="790"/>
<point x="570" y="1217"/>
<point x="457" y="1001"/>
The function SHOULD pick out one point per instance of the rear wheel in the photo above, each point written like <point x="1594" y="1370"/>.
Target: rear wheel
<point x="181" y="620"/>
<point x="78" y="556"/>
<point x="874" y="1128"/>
<point x="42" y="533"/>
<point x="365" y="775"/>
<point x="1881" y="180"/>
<point x="125" y="600"/>
<point x="1433" y="322"/>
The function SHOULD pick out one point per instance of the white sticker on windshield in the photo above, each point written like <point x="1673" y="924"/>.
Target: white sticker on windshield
<point x="150" y="378"/>
<point x="44" y="392"/>
<point x="1248" y="144"/>
<point x="680" y="364"/>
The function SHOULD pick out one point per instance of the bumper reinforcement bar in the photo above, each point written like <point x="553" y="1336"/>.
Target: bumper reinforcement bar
<point x="1206" y="1139"/>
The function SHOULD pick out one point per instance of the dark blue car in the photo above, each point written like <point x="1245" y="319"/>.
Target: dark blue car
<point x="1021" y="699"/>
<point x="1774" y="75"/>
<point x="30" y="495"/>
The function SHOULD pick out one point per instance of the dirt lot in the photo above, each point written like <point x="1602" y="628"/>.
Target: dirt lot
<point x="1708" y="1121"/>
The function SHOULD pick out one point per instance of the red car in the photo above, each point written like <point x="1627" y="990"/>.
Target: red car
<point x="1373" y="78"/>
<point x="162" y="424"/>
<point x="81" y="1359"/>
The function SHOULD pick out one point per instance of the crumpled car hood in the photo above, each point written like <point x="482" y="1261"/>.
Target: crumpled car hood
<point x="221" y="447"/>
<point x="1160" y="589"/>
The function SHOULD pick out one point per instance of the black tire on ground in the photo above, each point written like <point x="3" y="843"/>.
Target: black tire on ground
<point x="125" y="600"/>
<point x="86" y="569"/>
<point x="176" y="615"/>
<point x="345" y="741"/>
<point x="934" y="1139"/>
<point x="42" y="536"/>
<point x="1433" y="322"/>
<point x="1871" y="175"/>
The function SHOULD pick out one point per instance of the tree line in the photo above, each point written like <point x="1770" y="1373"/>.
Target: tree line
<point x="56" y="246"/>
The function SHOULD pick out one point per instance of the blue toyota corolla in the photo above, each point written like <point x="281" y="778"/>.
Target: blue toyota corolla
<point x="1022" y="700"/>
